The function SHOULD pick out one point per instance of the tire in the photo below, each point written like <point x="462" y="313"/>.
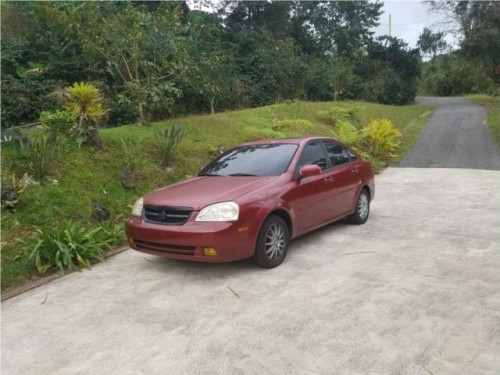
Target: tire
<point x="272" y="243"/>
<point x="362" y="210"/>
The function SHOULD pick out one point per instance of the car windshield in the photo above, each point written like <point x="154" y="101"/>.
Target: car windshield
<point x="252" y="160"/>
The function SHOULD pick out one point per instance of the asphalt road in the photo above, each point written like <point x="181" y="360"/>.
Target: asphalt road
<point x="414" y="291"/>
<point x="456" y="136"/>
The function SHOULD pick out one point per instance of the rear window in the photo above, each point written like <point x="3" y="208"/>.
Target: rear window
<point x="252" y="160"/>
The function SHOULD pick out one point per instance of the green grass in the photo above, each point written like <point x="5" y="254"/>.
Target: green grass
<point x="492" y="105"/>
<point x="88" y="178"/>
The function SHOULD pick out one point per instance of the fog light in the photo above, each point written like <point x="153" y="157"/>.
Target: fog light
<point x="209" y="251"/>
<point x="131" y="241"/>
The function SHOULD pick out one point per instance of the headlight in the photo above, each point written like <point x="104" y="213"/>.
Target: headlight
<point x="137" y="209"/>
<point x="225" y="211"/>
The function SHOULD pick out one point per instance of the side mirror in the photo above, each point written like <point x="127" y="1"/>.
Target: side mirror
<point x="309" y="170"/>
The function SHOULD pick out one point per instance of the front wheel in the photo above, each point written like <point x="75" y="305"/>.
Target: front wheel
<point x="362" y="210"/>
<point x="272" y="243"/>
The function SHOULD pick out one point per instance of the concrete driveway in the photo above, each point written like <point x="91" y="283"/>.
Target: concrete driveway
<point x="416" y="290"/>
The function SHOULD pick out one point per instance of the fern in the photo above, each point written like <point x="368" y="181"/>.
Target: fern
<point x="383" y="139"/>
<point x="348" y="133"/>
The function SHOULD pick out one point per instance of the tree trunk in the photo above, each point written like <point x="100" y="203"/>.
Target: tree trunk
<point x="140" y="119"/>
<point x="212" y="105"/>
<point x="94" y="140"/>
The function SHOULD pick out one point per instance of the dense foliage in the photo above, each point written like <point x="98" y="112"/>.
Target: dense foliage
<point x="475" y="66"/>
<point x="157" y="59"/>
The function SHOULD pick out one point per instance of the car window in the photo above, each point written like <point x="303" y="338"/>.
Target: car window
<point x="252" y="160"/>
<point x="313" y="154"/>
<point x="338" y="154"/>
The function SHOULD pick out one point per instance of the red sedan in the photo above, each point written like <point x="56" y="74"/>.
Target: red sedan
<point x="251" y="200"/>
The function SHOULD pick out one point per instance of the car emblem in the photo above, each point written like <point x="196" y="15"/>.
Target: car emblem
<point x="163" y="216"/>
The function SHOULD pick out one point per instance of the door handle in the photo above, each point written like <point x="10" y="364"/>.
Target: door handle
<point x="328" y="179"/>
<point x="355" y="171"/>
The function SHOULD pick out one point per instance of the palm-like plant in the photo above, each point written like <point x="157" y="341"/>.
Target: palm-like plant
<point x="85" y="102"/>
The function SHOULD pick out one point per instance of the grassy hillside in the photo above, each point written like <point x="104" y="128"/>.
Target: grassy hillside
<point x="87" y="178"/>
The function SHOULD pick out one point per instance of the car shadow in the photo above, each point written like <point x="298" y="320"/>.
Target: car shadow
<point x="185" y="268"/>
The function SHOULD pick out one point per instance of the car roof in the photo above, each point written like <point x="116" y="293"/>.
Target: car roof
<point x="298" y="140"/>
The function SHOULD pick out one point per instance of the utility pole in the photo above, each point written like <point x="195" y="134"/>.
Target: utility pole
<point x="390" y="25"/>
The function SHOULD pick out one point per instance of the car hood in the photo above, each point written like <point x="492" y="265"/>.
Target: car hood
<point x="199" y="192"/>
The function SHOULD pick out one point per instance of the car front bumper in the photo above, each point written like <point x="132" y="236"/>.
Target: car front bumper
<point x="231" y="240"/>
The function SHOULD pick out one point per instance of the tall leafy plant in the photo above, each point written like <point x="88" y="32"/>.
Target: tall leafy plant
<point x="38" y="154"/>
<point x="69" y="247"/>
<point x="166" y="142"/>
<point x="85" y="103"/>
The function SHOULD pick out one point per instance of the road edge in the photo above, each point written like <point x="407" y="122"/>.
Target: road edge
<point x="48" y="279"/>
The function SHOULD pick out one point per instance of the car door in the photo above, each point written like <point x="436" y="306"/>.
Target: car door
<point x="345" y="174"/>
<point x="307" y="197"/>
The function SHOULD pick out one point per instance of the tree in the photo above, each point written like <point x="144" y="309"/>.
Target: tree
<point x="140" y="48"/>
<point x="210" y="68"/>
<point x="431" y="43"/>
<point x="477" y="24"/>
<point x="335" y="27"/>
<point x="388" y="72"/>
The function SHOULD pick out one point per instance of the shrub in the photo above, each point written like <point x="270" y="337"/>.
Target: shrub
<point x="349" y="134"/>
<point x="24" y="98"/>
<point x="348" y="112"/>
<point x="84" y="102"/>
<point x="69" y="247"/>
<point x="383" y="139"/>
<point x="38" y="153"/>
<point x="166" y="141"/>
<point x="12" y="187"/>
<point x="58" y="121"/>
<point x="448" y="75"/>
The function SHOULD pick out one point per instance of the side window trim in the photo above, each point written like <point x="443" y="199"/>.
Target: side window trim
<point x="325" y="141"/>
<point x="325" y="156"/>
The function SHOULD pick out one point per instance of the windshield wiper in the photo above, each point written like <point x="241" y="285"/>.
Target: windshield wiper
<point x="242" y="174"/>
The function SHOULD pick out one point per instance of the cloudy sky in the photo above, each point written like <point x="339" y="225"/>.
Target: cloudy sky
<point x="408" y="20"/>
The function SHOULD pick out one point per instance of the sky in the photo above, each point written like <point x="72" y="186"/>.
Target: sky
<point x="408" y="20"/>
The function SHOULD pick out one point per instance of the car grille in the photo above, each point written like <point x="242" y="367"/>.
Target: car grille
<point x="167" y="215"/>
<point x="165" y="247"/>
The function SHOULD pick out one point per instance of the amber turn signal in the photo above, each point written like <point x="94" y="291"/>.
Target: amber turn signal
<point x="209" y="251"/>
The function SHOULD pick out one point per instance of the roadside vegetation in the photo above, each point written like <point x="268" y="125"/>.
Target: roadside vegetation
<point x="154" y="60"/>
<point x="472" y="66"/>
<point x="492" y="106"/>
<point x="71" y="68"/>
<point x="85" y="193"/>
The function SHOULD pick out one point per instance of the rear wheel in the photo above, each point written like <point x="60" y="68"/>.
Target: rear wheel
<point x="362" y="210"/>
<point x="272" y="243"/>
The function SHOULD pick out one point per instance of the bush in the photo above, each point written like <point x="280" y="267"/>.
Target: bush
<point x="58" y="121"/>
<point x="166" y="141"/>
<point x="24" y="98"/>
<point x="85" y="103"/>
<point x="38" y="153"/>
<point x="12" y="187"/>
<point x="383" y="139"/>
<point x="449" y="75"/>
<point x="70" y="247"/>
<point x="348" y="133"/>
